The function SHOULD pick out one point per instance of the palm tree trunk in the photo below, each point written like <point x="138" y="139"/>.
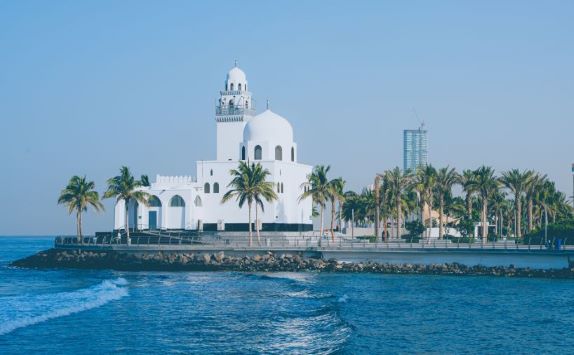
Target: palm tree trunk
<point x="332" y="220"/>
<point x="126" y="219"/>
<point x="423" y="219"/>
<point x="530" y="219"/>
<point x="385" y="229"/>
<point x="430" y="219"/>
<point x="518" y="216"/>
<point x="340" y="225"/>
<point x="440" y="216"/>
<point x="250" y="234"/>
<point x="321" y="230"/>
<point x="484" y="225"/>
<point x="469" y="205"/>
<point x="78" y="228"/>
<point x="399" y="212"/>
<point x="257" y="226"/>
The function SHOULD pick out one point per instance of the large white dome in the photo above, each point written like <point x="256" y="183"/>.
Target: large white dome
<point x="236" y="75"/>
<point x="268" y="126"/>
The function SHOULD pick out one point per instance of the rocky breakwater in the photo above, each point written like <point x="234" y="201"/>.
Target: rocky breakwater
<point x="266" y="262"/>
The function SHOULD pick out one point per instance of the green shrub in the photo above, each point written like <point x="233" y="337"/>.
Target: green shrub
<point x="562" y="230"/>
<point x="415" y="228"/>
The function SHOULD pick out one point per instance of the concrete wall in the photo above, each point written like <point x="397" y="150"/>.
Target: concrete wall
<point x="535" y="260"/>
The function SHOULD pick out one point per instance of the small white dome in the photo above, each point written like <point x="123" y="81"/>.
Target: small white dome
<point x="268" y="126"/>
<point x="236" y="75"/>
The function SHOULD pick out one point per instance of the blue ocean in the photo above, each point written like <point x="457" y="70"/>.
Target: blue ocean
<point x="79" y="311"/>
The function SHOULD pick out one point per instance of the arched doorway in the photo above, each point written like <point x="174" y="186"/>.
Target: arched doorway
<point x="154" y="213"/>
<point x="176" y="213"/>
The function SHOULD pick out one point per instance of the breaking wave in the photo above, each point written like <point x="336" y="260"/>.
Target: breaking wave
<point x="25" y="310"/>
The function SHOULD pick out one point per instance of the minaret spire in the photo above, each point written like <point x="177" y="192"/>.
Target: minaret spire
<point x="268" y="104"/>
<point x="235" y="63"/>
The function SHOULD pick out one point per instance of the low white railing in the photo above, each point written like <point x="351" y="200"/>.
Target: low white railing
<point x="301" y="242"/>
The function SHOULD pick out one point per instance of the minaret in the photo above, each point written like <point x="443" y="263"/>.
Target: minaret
<point x="234" y="108"/>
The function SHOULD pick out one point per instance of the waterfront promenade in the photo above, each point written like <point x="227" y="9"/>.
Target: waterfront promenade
<point x="341" y="249"/>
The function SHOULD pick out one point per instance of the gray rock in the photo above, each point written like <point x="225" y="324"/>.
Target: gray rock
<point x="206" y="258"/>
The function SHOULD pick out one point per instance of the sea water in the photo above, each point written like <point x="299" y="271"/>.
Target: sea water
<point x="85" y="311"/>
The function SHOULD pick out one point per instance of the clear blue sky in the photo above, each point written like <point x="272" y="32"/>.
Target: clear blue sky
<point x="88" y="86"/>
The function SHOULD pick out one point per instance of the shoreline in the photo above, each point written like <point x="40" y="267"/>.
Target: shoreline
<point x="267" y="262"/>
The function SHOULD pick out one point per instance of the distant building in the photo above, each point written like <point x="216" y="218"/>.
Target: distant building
<point x="414" y="148"/>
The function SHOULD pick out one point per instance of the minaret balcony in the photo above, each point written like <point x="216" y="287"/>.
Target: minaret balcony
<point x="234" y="92"/>
<point x="233" y="111"/>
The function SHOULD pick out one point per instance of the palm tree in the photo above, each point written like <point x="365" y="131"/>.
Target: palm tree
<point x="486" y="184"/>
<point x="498" y="204"/>
<point x="125" y="187"/>
<point x="78" y="195"/>
<point x="336" y="194"/>
<point x="424" y="184"/>
<point x="145" y="181"/>
<point x="467" y="181"/>
<point x="249" y="185"/>
<point x="399" y="183"/>
<point x="317" y="187"/>
<point x="381" y="192"/>
<point x="446" y="178"/>
<point x="263" y="190"/>
<point x="350" y="206"/>
<point x="518" y="183"/>
<point x="385" y="204"/>
<point x="534" y="184"/>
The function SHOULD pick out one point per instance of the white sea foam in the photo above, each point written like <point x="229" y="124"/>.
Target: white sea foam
<point x="304" y="277"/>
<point x="22" y="311"/>
<point x="343" y="299"/>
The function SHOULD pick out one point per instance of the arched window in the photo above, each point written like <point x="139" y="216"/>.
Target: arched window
<point x="211" y="172"/>
<point x="215" y="188"/>
<point x="242" y="153"/>
<point x="278" y="187"/>
<point x="258" y="152"/>
<point x="292" y="153"/>
<point x="206" y="188"/>
<point x="153" y="201"/>
<point x="176" y="201"/>
<point x="231" y="101"/>
<point x="231" y="87"/>
<point x="278" y="153"/>
<point x="246" y="104"/>
<point x="197" y="201"/>
<point x="281" y="187"/>
<point x="239" y="86"/>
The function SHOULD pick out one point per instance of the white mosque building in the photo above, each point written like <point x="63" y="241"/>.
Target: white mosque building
<point x="194" y="203"/>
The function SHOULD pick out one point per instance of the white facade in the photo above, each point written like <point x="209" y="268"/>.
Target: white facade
<point x="192" y="203"/>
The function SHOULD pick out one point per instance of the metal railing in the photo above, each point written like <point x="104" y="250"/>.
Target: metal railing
<point x="233" y="110"/>
<point x="176" y="238"/>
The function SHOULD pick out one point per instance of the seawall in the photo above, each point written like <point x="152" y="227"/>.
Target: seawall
<point x="395" y="254"/>
<point x="269" y="261"/>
